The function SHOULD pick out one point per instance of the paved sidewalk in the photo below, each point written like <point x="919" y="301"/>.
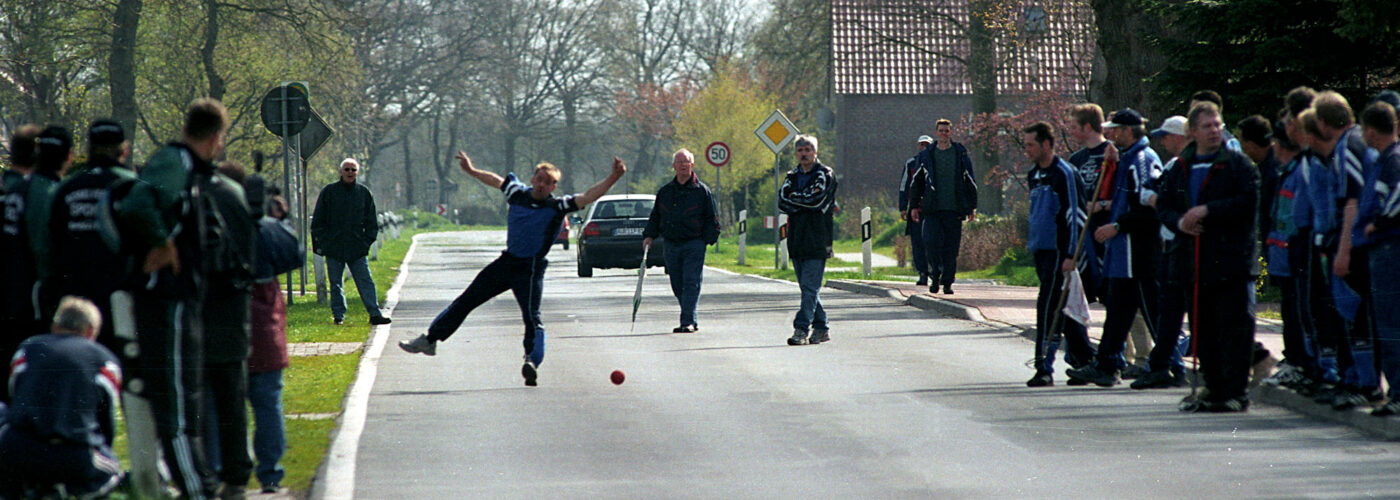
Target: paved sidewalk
<point x="1012" y="308"/>
<point x="322" y="348"/>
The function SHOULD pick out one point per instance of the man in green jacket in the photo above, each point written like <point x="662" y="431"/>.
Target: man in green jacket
<point x="165" y="209"/>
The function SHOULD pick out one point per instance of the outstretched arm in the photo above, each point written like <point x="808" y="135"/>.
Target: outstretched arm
<point x="487" y="178"/>
<point x="602" y="187"/>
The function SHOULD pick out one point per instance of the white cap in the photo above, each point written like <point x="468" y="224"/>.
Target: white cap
<point x="925" y="138"/>
<point x="1175" y="125"/>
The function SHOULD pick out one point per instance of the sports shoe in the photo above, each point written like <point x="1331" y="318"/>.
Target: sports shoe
<point x="232" y="492"/>
<point x="380" y="320"/>
<point x="1325" y="393"/>
<point x="1155" y="380"/>
<point x="923" y="280"/>
<point x="528" y="371"/>
<point x="339" y="321"/>
<point x="1134" y="371"/>
<point x="819" y="336"/>
<point x="422" y="345"/>
<point x="799" y="337"/>
<point x="1041" y="379"/>
<point x="1231" y="405"/>
<point x="1285" y="374"/>
<point x="1388" y="409"/>
<point x="1091" y="373"/>
<point x="686" y="329"/>
<point x="1346" y="400"/>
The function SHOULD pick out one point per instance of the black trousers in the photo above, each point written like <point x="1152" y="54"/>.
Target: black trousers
<point x="1225" y="342"/>
<point x="227" y="383"/>
<point x="1126" y="297"/>
<point x="1078" y="351"/>
<point x="170" y="370"/>
<point x="942" y="237"/>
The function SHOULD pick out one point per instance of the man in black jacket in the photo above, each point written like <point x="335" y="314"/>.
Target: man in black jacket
<point x="943" y="195"/>
<point x="684" y="214"/>
<point x="1211" y="202"/>
<point x="342" y="229"/>
<point x="808" y="196"/>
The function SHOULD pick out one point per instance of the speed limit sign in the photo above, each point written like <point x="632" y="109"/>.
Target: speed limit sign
<point x="717" y="153"/>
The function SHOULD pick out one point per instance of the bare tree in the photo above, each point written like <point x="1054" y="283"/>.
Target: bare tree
<point x="41" y="68"/>
<point x="648" y="56"/>
<point x="406" y="50"/>
<point x="723" y="27"/>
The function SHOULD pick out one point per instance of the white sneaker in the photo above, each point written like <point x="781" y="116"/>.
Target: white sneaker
<point x="420" y="345"/>
<point x="1285" y="374"/>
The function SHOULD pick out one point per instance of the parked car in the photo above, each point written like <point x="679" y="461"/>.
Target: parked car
<point x="611" y="234"/>
<point x="563" y="236"/>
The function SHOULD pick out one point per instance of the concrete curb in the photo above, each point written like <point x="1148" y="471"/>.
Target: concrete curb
<point x="928" y="303"/>
<point x="1383" y="427"/>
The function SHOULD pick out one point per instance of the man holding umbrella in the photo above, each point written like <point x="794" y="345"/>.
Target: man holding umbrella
<point x="684" y="214"/>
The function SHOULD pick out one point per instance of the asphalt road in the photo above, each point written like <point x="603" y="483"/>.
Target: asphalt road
<point x="901" y="404"/>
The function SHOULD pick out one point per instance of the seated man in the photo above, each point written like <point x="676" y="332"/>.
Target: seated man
<point x="58" y="434"/>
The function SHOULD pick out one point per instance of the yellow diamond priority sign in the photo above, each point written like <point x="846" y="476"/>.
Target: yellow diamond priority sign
<point x="776" y="131"/>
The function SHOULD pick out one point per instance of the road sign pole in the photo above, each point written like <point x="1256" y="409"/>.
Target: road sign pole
<point x="777" y="215"/>
<point x="286" y="171"/>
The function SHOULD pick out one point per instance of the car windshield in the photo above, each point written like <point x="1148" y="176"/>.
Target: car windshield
<point x="623" y="209"/>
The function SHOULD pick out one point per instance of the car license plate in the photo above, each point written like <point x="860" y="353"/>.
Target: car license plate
<point x="627" y="231"/>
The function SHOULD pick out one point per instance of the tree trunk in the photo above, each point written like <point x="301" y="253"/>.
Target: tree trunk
<point x="408" y="172"/>
<point x="1129" y="59"/>
<point x="570" y="106"/>
<point x="982" y="75"/>
<point x="206" y="53"/>
<point x="121" y="63"/>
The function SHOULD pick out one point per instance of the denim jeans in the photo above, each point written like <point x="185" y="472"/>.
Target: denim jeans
<point x="359" y="271"/>
<point x="269" y="435"/>
<point x="685" y="265"/>
<point x="1385" y="293"/>
<point x="809" y="278"/>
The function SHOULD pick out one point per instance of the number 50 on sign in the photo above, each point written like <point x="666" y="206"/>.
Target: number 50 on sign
<point x="717" y="153"/>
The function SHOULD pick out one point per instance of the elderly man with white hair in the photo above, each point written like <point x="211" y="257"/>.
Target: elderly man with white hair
<point x="684" y="214"/>
<point x="342" y="229"/>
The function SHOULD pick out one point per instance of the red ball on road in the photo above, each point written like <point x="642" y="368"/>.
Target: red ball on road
<point x="618" y="377"/>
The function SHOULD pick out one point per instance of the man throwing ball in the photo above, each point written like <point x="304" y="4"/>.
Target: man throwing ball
<point x="533" y="220"/>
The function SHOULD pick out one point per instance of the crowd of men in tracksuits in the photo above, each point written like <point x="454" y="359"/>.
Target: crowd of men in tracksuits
<point x="1312" y="195"/>
<point x="178" y="264"/>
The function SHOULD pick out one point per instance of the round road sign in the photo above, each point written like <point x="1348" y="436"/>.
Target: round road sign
<point x="298" y="110"/>
<point x="717" y="153"/>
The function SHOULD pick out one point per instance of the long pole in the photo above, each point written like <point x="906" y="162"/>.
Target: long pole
<point x="1058" y="314"/>
<point x="777" y="229"/>
<point x="286" y="172"/>
<point x="301" y="211"/>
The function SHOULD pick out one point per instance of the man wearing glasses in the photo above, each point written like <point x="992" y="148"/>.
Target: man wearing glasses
<point x="342" y="229"/>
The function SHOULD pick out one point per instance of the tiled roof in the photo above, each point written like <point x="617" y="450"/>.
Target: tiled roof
<point x="893" y="47"/>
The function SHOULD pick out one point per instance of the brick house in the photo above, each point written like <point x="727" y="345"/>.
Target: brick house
<point x="891" y="85"/>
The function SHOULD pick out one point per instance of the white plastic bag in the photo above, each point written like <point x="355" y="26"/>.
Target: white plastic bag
<point x="1076" y="304"/>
